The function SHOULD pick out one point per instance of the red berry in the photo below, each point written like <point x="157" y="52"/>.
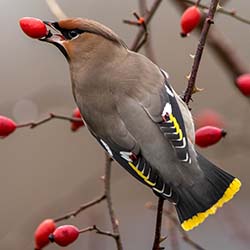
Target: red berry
<point x="208" y="135"/>
<point x="7" y="126"/>
<point x="243" y="83"/>
<point x="76" y="125"/>
<point x="64" y="235"/>
<point x="141" y="20"/>
<point x="208" y="118"/>
<point x="190" y="19"/>
<point x="33" y="27"/>
<point x="42" y="233"/>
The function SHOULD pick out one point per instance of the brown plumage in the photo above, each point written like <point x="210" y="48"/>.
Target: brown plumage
<point x="91" y="27"/>
<point x="134" y="113"/>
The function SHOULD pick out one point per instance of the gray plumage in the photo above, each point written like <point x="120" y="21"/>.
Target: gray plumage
<point x="129" y="106"/>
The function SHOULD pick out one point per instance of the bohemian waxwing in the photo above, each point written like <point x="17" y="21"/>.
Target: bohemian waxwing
<point x="134" y="113"/>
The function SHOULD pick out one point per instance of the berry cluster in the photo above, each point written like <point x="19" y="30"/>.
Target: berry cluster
<point x="47" y="232"/>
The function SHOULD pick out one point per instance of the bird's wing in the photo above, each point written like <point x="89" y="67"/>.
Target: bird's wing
<point x="150" y="140"/>
<point x="169" y="119"/>
<point x="136" y="164"/>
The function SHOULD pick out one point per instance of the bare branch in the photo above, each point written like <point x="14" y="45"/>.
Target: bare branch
<point x="199" y="51"/>
<point x="140" y="22"/>
<point x="114" y="221"/>
<point x="81" y="209"/>
<point x="149" y="44"/>
<point x="173" y="218"/>
<point x="98" y="231"/>
<point x="227" y="54"/>
<point x="56" y="9"/>
<point x="147" y="19"/>
<point x="157" y="240"/>
<point x="172" y="230"/>
<point x="47" y="119"/>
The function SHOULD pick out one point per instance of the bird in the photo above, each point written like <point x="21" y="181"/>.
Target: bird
<point x="134" y="113"/>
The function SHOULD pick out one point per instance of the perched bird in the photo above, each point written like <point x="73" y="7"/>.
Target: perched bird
<point x="133" y="112"/>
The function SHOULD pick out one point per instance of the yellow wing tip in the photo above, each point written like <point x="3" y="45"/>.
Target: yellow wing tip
<point x="197" y="219"/>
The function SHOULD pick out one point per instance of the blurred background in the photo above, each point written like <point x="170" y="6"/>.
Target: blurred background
<point x="49" y="171"/>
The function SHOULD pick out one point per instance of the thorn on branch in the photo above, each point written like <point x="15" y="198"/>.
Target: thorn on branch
<point x="199" y="50"/>
<point x="210" y="20"/>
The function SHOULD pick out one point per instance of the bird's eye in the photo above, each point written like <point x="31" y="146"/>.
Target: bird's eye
<point x="72" y="34"/>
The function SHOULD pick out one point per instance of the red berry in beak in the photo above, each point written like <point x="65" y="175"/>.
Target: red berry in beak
<point x="42" y="233"/>
<point x="7" y="126"/>
<point x="76" y="125"/>
<point x="243" y="83"/>
<point x="64" y="235"/>
<point x="190" y="20"/>
<point x="208" y="135"/>
<point x="33" y="27"/>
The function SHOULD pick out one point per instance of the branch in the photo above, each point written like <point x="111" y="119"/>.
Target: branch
<point x="172" y="229"/>
<point x="114" y="221"/>
<point x="56" y="9"/>
<point x="157" y="240"/>
<point x="199" y="51"/>
<point x="47" y="119"/>
<point x="175" y="221"/>
<point x="227" y="53"/>
<point x="140" y="22"/>
<point x="148" y="45"/>
<point x="81" y="208"/>
<point x="98" y="231"/>
<point x="220" y="9"/>
<point x="147" y="19"/>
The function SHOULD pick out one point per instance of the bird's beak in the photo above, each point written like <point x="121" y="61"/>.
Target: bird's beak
<point x="55" y="37"/>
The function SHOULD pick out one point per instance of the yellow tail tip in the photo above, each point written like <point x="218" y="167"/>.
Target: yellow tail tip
<point x="197" y="219"/>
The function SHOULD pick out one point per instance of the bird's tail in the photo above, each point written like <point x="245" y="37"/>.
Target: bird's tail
<point x="202" y="199"/>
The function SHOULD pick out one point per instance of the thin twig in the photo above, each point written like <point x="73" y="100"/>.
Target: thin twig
<point x="47" y="119"/>
<point x="114" y="221"/>
<point x="147" y="19"/>
<point x="140" y="22"/>
<point x="227" y="53"/>
<point x="199" y="51"/>
<point x="81" y="208"/>
<point x="56" y="9"/>
<point x="157" y="240"/>
<point x="172" y="230"/>
<point x="148" y="47"/>
<point x="173" y="218"/>
<point x="220" y="9"/>
<point x="98" y="231"/>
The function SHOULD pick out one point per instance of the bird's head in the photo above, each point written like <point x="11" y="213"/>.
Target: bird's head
<point x="78" y="36"/>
